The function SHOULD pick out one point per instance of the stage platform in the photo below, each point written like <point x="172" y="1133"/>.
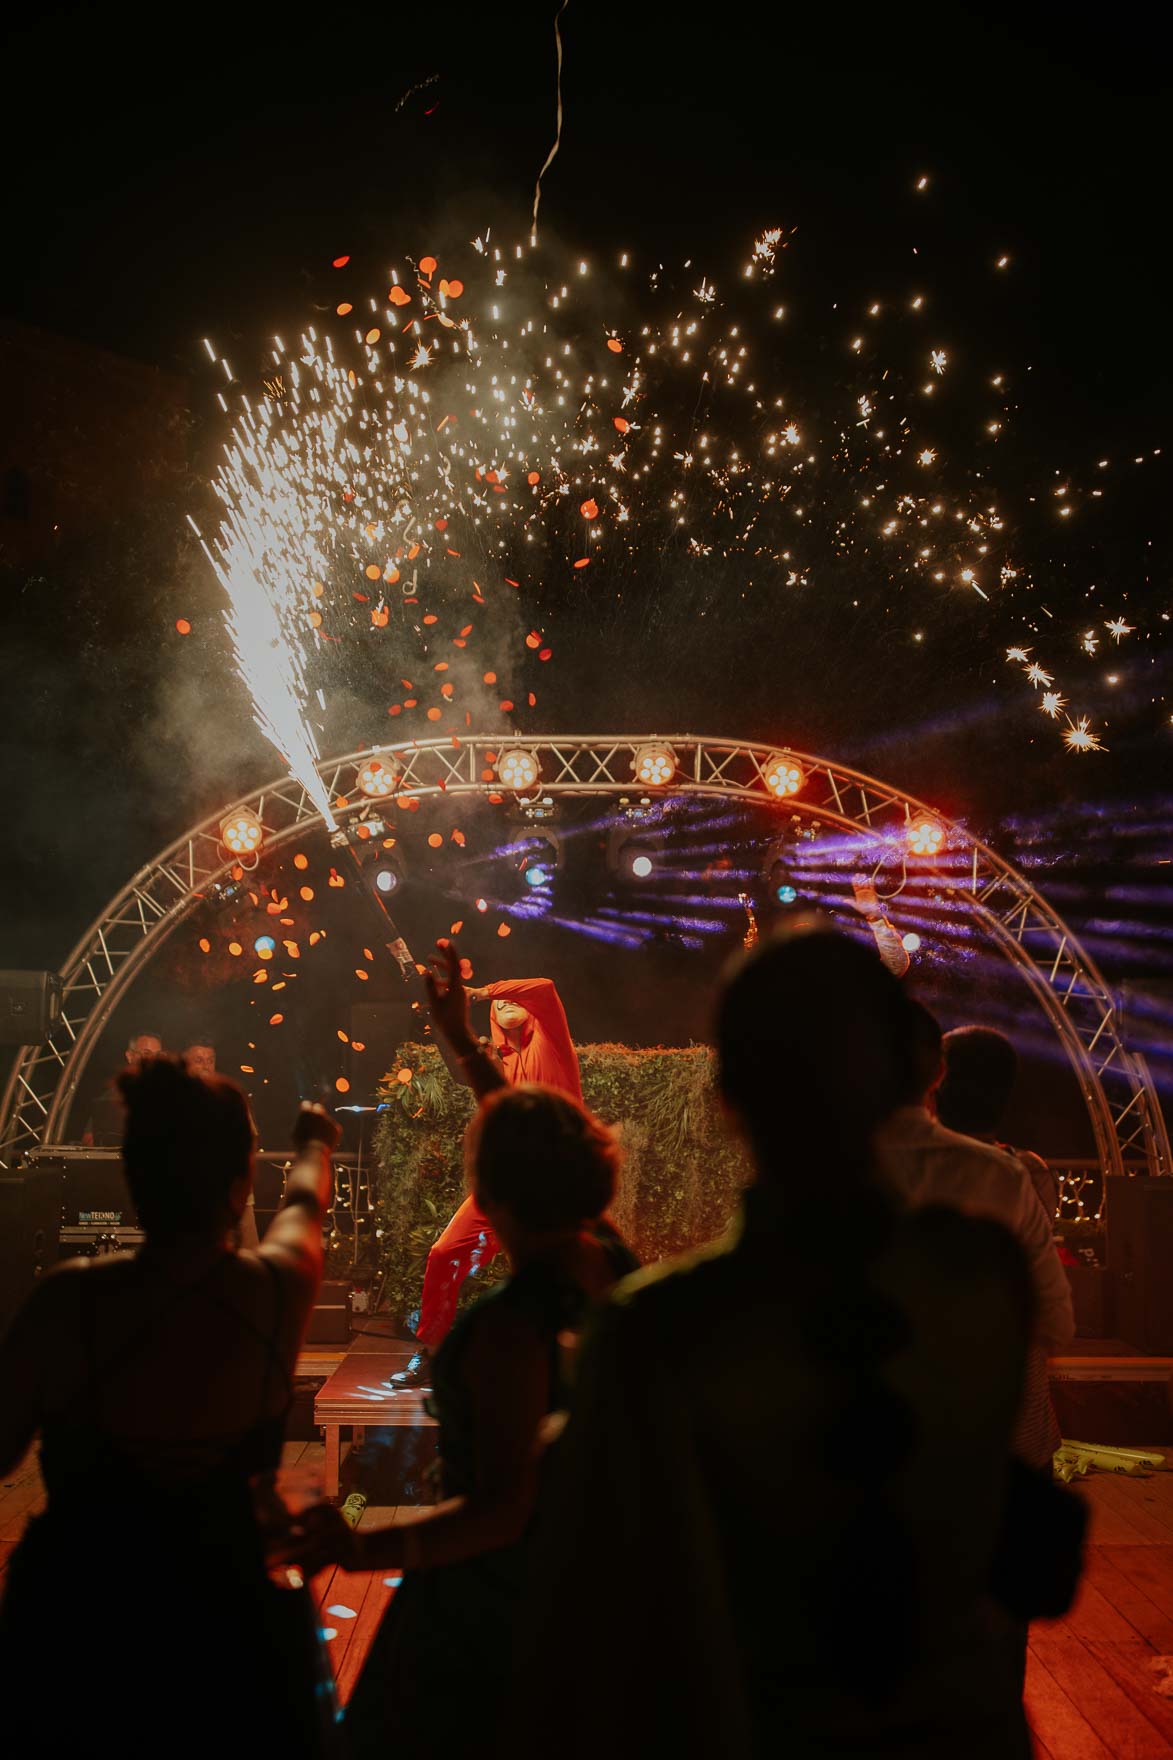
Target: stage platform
<point x="359" y="1392"/>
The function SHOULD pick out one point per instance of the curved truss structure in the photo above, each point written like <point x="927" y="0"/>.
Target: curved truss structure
<point x="1124" y="1111"/>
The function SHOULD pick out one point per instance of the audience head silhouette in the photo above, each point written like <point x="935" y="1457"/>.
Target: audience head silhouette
<point x="535" y="1154"/>
<point x="813" y="1046"/>
<point x="187" y="1148"/>
<point x="980" y="1068"/>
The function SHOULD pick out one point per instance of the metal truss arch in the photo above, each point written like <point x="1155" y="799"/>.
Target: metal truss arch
<point x="1122" y="1104"/>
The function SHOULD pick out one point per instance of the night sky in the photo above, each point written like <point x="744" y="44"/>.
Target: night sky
<point x="164" y="185"/>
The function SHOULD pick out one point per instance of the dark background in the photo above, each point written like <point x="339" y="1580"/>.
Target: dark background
<point x="170" y="178"/>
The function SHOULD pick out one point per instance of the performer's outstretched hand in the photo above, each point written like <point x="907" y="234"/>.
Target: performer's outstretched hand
<point x="448" y="999"/>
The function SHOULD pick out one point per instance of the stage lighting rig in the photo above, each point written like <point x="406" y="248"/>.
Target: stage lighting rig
<point x="780" y="881"/>
<point x="654" y="764"/>
<point x="376" y="779"/>
<point x="241" y="832"/>
<point x="518" y="769"/>
<point x="925" y="836"/>
<point x="782" y="776"/>
<point x="632" y="857"/>
<point x="537" y="860"/>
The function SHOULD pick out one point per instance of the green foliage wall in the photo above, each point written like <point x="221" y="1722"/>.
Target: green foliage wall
<point x="681" y="1175"/>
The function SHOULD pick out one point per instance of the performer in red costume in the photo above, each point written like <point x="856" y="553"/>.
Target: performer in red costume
<point x="531" y="1040"/>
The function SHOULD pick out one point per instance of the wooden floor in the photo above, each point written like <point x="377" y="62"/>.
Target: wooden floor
<point x="1091" y="1685"/>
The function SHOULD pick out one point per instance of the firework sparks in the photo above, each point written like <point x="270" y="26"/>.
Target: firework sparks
<point x="1116" y="627"/>
<point x="1080" y="738"/>
<point x="1052" y="704"/>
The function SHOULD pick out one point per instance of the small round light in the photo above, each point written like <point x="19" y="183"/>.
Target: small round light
<point x="641" y="867"/>
<point x="654" y="765"/>
<point x="783" y="776"/>
<point x="376" y="780"/>
<point x="537" y="875"/>
<point x="910" y="942"/>
<point x="786" y="893"/>
<point x="241" y="832"/>
<point x="518" y="769"/>
<point x="926" y="837"/>
<point x="264" y="947"/>
<point x="386" y="879"/>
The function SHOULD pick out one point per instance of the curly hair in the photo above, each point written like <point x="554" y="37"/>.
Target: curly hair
<point x="542" y="1156"/>
<point x="187" y="1139"/>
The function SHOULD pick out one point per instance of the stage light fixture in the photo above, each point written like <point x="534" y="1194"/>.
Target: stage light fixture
<point x="537" y="875"/>
<point x="783" y="776"/>
<point x="376" y="779"/>
<point x="386" y="880"/>
<point x="910" y="942"/>
<point x="241" y="832"/>
<point x="538" y="859"/>
<point x="926" y="836"/>
<point x="785" y="893"/>
<point x="264" y="947"/>
<point x="518" y="769"/>
<point x="641" y="867"/>
<point x="654" y="764"/>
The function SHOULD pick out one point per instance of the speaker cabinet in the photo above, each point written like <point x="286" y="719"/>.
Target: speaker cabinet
<point x="1140" y="1255"/>
<point x="30" y="1005"/>
<point x="30" y="1220"/>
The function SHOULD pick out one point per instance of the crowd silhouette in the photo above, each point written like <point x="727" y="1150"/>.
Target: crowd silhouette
<point x="788" y="1495"/>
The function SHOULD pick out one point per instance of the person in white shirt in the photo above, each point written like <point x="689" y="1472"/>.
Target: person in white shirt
<point x="929" y="1164"/>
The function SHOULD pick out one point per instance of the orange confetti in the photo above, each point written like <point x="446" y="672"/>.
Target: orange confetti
<point x="466" y="969"/>
<point x="340" y="262"/>
<point x="433" y="714"/>
<point x="307" y="892"/>
<point x="403" y="1076"/>
<point x="503" y="929"/>
<point x="490" y="678"/>
<point x="459" y="839"/>
<point x="300" y="861"/>
<point x="506" y="706"/>
<point x="435" y="840"/>
<point x="315" y="937"/>
<point x="235" y="949"/>
<point x="457" y="926"/>
<point x="367" y="954"/>
<point x="614" y="344"/>
<point x="534" y="477"/>
<point x="380" y="617"/>
<point x="531" y="699"/>
<point x="261" y="976"/>
<point x="585" y="562"/>
<point x="395" y="709"/>
<point x="533" y="640"/>
<point x="359" y="973"/>
<point x="621" y="423"/>
<point x="247" y="1069"/>
<point x="427" y="265"/>
<point x="344" y="308"/>
<point x="447" y="690"/>
<point x="205" y="944"/>
<point x="373" y="571"/>
<point x="342" y="1085"/>
<point x="589" y="509"/>
<point x="276" y="1019"/>
<point x="440" y="666"/>
<point x="452" y="289"/>
<point x="372" y="336"/>
<point x="431" y="617"/>
<point x="293" y="951"/>
<point x="336" y="879"/>
<point x="545" y="653"/>
<point x="411" y="702"/>
<point x="183" y="626"/>
<point x="345" y="1037"/>
<point x="357" y="1045"/>
<point x="482" y="904"/>
<point x="399" y="296"/>
<point x="317" y="589"/>
<point x="315" y="620"/>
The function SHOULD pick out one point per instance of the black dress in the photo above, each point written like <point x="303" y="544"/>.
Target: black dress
<point x="437" y="1675"/>
<point x="138" y="1615"/>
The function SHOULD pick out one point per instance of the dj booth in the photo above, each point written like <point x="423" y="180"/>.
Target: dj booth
<point x="69" y="1202"/>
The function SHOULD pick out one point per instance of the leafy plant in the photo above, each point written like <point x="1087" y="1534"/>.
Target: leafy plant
<point x="681" y="1174"/>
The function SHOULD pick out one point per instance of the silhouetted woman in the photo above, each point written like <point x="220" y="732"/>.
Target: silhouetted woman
<point x="542" y="1170"/>
<point x="138" y="1612"/>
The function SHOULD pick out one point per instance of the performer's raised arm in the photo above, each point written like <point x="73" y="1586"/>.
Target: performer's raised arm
<point x="467" y="1057"/>
<point x="889" y="944"/>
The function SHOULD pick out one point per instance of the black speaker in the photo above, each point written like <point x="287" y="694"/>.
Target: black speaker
<point x="1140" y="1256"/>
<point x="94" y="1192"/>
<point x="30" y="1219"/>
<point x="30" y="1006"/>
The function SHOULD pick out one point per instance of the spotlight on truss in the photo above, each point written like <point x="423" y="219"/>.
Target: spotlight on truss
<point x="782" y="776"/>
<point x="376" y="779"/>
<point x="925" y="836"/>
<point x="241" y="832"/>
<point x="654" y="764"/>
<point x="518" y="769"/>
